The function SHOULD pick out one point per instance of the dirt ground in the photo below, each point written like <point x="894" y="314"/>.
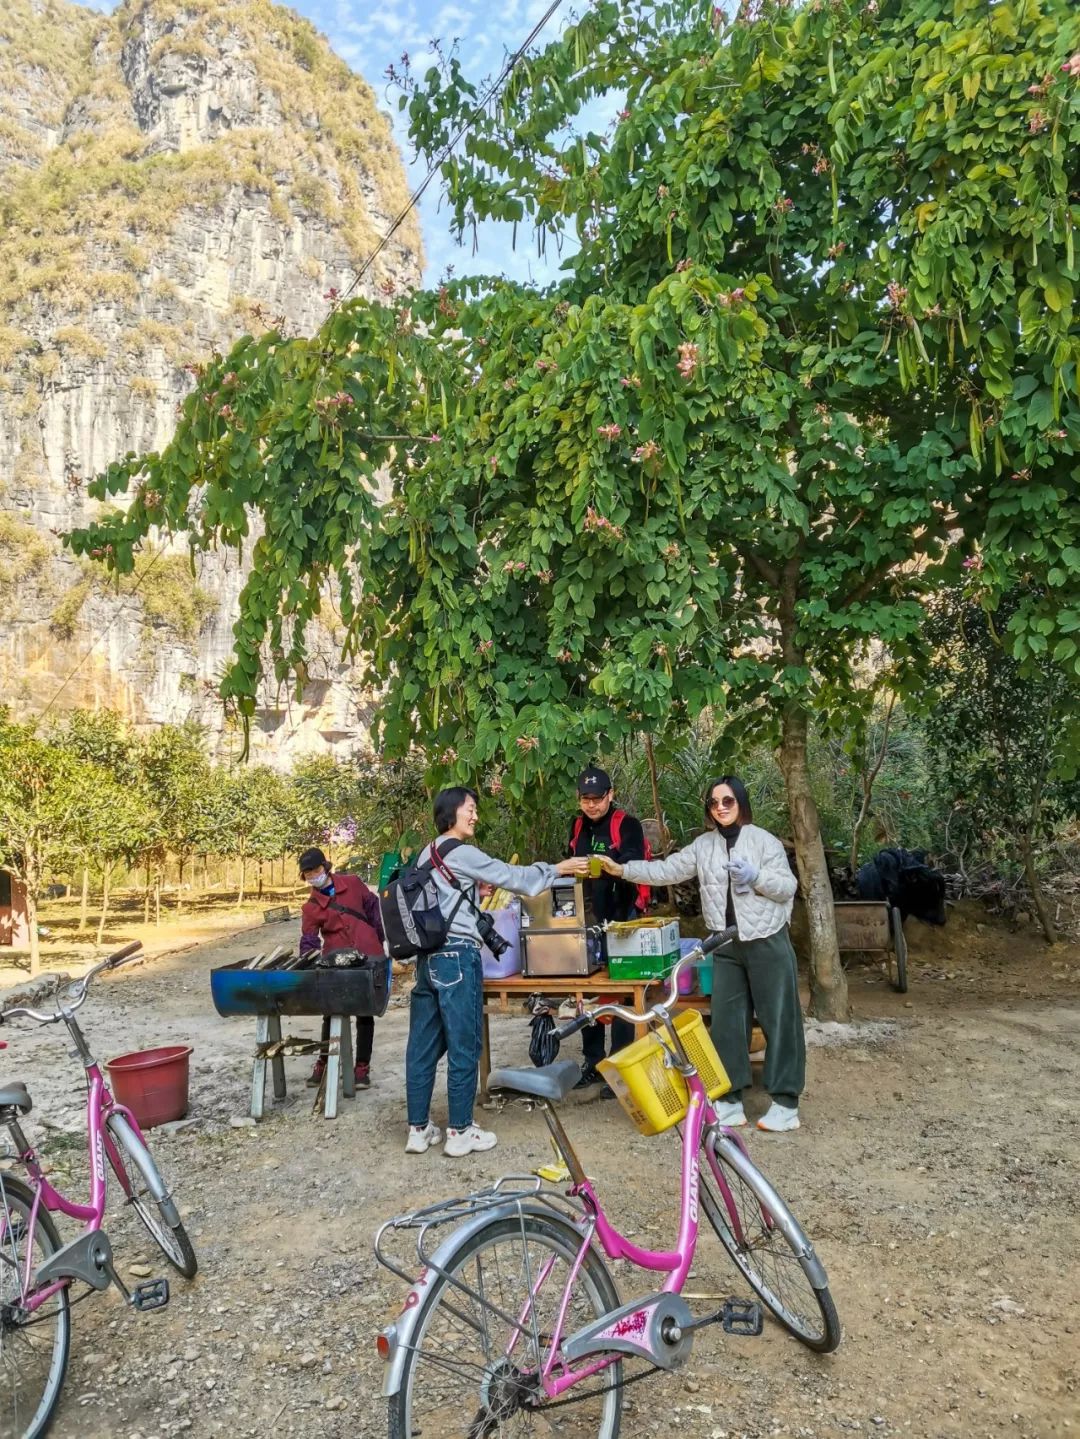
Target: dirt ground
<point x="938" y="1171"/>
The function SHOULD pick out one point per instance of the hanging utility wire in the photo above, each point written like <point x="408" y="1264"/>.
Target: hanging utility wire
<point x="448" y="150"/>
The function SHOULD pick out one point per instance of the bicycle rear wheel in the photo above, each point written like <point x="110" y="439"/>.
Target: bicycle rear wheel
<point x="466" y="1377"/>
<point x="767" y="1243"/>
<point x="33" y="1346"/>
<point x="145" y="1189"/>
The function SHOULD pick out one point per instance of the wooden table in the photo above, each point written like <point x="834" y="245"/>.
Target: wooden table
<point x="502" y="996"/>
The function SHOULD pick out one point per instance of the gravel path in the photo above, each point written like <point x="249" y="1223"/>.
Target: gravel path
<point x="938" y="1172"/>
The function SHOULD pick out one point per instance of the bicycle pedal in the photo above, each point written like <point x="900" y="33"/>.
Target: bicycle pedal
<point x="742" y="1316"/>
<point x="151" y="1294"/>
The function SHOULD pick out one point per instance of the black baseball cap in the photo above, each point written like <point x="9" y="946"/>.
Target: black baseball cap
<point x="311" y="859"/>
<point x="593" y="782"/>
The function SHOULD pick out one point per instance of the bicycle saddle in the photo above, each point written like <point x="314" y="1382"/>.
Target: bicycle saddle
<point x="15" y="1096"/>
<point x="551" y="1081"/>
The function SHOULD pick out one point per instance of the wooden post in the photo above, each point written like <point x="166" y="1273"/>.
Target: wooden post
<point x="258" y="1073"/>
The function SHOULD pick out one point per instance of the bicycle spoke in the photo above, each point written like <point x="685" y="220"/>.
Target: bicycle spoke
<point x="479" y="1379"/>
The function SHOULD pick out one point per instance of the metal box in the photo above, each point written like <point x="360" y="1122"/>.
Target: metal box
<point x="553" y="952"/>
<point x="560" y="907"/>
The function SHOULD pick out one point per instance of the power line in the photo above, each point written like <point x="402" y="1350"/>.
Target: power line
<point x="447" y="151"/>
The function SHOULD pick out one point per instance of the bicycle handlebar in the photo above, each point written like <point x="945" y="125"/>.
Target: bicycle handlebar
<point x="80" y="988"/>
<point x="635" y="1016"/>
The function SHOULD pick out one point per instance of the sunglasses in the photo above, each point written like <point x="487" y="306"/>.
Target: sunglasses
<point x="727" y="802"/>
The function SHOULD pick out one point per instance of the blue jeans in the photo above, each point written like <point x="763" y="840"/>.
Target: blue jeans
<point x="445" y="1017"/>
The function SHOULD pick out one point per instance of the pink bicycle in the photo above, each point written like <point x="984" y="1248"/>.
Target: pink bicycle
<point x="514" y="1325"/>
<point x="37" y="1272"/>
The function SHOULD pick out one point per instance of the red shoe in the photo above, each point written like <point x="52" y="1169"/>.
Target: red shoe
<point x="362" y="1075"/>
<point x="315" y="1078"/>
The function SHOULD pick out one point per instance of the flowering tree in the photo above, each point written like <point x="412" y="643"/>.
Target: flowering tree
<point x="814" y="346"/>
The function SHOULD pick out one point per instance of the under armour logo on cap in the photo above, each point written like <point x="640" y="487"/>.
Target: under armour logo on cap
<point x="593" y="781"/>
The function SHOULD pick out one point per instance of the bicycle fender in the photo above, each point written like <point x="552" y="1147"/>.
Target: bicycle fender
<point x="779" y="1212"/>
<point x="145" y="1161"/>
<point x="400" y="1333"/>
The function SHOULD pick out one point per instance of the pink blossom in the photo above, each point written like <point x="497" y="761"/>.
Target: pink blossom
<point x="545" y="365"/>
<point x="527" y="742"/>
<point x="630" y="382"/>
<point x="683" y="265"/>
<point x="609" y="432"/>
<point x="496" y="786"/>
<point x="486" y="646"/>
<point x="973" y="562"/>
<point x="738" y="295"/>
<point x="784" y="205"/>
<point x="600" y="524"/>
<point x="1038" y="123"/>
<point x="835" y="251"/>
<point x="448" y="756"/>
<point x="331" y="294"/>
<point x="672" y="551"/>
<point x="689" y="359"/>
<point x="624" y="114"/>
<point x="896" y="294"/>
<point x="648" y="451"/>
<point x="1072" y="66"/>
<point x="435" y="439"/>
<point x="544" y="576"/>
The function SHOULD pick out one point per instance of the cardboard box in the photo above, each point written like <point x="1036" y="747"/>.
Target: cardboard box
<point x="639" y="937"/>
<point x="641" y="966"/>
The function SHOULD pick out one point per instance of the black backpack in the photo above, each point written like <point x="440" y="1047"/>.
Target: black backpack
<point x="412" y="919"/>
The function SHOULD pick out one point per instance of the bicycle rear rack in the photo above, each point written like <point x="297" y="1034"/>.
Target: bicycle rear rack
<point x="509" y="1192"/>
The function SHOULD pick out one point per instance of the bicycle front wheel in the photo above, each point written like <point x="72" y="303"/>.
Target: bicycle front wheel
<point x="486" y="1329"/>
<point x="767" y="1243"/>
<point x="33" y="1345"/>
<point x="145" y="1190"/>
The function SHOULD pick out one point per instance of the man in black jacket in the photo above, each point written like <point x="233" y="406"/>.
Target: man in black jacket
<point x="601" y="828"/>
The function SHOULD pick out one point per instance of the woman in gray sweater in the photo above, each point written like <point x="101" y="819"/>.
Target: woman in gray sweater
<point x="745" y="881"/>
<point x="446" y="1008"/>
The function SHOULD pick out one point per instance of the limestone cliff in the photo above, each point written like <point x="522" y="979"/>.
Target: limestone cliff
<point x="171" y="176"/>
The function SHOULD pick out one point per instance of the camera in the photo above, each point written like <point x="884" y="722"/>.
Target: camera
<point x="490" y="936"/>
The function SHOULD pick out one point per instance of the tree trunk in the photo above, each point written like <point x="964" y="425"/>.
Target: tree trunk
<point x="828" y="983"/>
<point x="105" y="874"/>
<point x="84" y="904"/>
<point x="1046" y="924"/>
<point x="179" y="884"/>
<point x="867" y="780"/>
<point x="260" y="879"/>
<point x="157" y="897"/>
<point x="663" y="836"/>
<point x="243" y="878"/>
<point x="30" y="870"/>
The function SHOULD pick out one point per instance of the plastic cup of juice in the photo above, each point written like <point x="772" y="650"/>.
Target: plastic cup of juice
<point x="596" y="866"/>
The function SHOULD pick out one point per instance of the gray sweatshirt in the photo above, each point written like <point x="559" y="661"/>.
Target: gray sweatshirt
<point x="469" y="866"/>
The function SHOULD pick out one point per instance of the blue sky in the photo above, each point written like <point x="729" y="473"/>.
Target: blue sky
<point x="369" y="37"/>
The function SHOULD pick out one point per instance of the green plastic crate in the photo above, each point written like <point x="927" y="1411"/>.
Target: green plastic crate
<point x="641" y="966"/>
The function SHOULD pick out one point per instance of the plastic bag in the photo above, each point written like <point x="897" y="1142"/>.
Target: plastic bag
<point x="544" y="1044"/>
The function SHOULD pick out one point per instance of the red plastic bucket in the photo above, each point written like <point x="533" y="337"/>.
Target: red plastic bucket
<point x="152" y="1084"/>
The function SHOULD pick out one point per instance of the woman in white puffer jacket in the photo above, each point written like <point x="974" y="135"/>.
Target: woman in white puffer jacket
<point x="745" y="881"/>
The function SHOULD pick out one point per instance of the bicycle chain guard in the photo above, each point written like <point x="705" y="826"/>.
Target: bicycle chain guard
<point x="658" y="1329"/>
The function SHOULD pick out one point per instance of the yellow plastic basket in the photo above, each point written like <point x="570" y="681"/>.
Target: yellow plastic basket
<point x="650" y="1089"/>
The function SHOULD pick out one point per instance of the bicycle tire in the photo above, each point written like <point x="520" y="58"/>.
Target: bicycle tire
<point x="16" y="1197"/>
<point x="754" y="1209"/>
<point x="137" y="1172"/>
<point x="563" y="1241"/>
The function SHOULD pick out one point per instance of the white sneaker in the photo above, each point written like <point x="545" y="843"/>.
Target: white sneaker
<point x="779" y="1119"/>
<point x="420" y="1139"/>
<point x="730" y="1113"/>
<point x="460" y="1142"/>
